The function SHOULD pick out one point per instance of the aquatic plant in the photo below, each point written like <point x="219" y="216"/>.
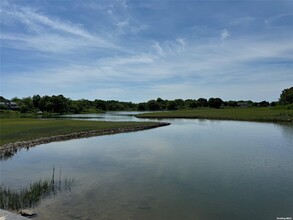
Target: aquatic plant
<point x="32" y="195"/>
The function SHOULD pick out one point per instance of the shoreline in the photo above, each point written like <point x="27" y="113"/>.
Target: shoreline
<point x="10" y="149"/>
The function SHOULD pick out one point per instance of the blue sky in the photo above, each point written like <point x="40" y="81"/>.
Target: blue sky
<point x="140" y="50"/>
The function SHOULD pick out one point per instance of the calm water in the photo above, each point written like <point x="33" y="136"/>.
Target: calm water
<point x="192" y="169"/>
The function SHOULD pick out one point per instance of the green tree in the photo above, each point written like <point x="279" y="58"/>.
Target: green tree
<point x="142" y="106"/>
<point x="36" y="101"/>
<point x="28" y="102"/>
<point x="286" y="96"/>
<point x="153" y="105"/>
<point x="100" y="104"/>
<point x="3" y="107"/>
<point x="179" y="103"/>
<point x="60" y="104"/>
<point x="202" y="102"/>
<point x="230" y="103"/>
<point x="161" y="103"/>
<point x="263" y="104"/>
<point x="215" y="102"/>
<point x="24" y="108"/>
<point x="43" y="103"/>
<point x="17" y="100"/>
<point x="192" y="103"/>
<point x="2" y="99"/>
<point x="172" y="105"/>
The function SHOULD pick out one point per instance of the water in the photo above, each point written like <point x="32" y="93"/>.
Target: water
<point x="192" y="169"/>
<point x="108" y="116"/>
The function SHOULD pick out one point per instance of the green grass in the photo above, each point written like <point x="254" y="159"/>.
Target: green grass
<point x="32" y="195"/>
<point x="22" y="129"/>
<point x="243" y="114"/>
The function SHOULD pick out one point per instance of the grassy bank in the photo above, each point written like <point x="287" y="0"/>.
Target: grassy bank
<point x="24" y="129"/>
<point x="243" y="114"/>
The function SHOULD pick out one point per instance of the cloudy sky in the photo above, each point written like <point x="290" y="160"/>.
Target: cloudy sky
<point x="140" y="50"/>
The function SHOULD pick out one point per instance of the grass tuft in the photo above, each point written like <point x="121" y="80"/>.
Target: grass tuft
<point x="32" y="195"/>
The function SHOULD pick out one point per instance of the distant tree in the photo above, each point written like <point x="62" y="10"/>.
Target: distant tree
<point x="43" y="103"/>
<point x="190" y="103"/>
<point x="17" y="100"/>
<point x="153" y="105"/>
<point x="28" y="102"/>
<point x="100" y="104"/>
<point x="179" y="103"/>
<point x="172" y="105"/>
<point x="202" y="102"/>
<point x="230" y="103"/>
<point x="3" y="107"/>
<point x="129" y="105"/>
<point x="215" y="102"/>
<point x="160" y="100"/>
<point x="2" y="99"/>
<point x="86" y="104"/>
<point x="263" y="104"/>
<point x="286" y="96"/>
<point x="75" y="107"/>
<point x="142" y="106"/>
<point x="161" y="103"/>
<point x="49" y="106"/>
<point x="36" y="101"/>
<point x="116" y="106"/>
<point x="60" y="104"/>
<point x="24" y="108"/>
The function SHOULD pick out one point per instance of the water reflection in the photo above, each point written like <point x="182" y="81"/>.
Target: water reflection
<point x="287" y="131"/>
<point x="108" y="116"/>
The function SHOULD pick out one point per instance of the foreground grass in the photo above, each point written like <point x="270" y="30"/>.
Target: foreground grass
<point x="23" y="129"/>
<point x="243" y="114"/>
<point x="33" y="194"/>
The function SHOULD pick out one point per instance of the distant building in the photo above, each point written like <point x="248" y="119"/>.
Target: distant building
<point x="10" y="105"/>
<point x="243" y="104"/>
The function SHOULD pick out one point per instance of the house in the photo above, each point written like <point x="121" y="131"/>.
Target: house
<point x="13" y="106"/>
<point x="244" y="104"/>
<point x="10" y="105"/>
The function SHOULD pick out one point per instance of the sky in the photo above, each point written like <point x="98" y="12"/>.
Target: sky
<point x="144" y="49"/>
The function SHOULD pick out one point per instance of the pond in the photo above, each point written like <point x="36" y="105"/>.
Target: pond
<point x="192" y="169"/>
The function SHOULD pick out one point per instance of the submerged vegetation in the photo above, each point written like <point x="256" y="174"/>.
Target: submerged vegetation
<point x="32" y="195"/>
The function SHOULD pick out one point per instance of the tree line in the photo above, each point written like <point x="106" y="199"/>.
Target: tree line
<point x="61" y="104"/>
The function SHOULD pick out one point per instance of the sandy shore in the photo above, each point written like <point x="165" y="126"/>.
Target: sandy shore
<point x="8" y="150"/>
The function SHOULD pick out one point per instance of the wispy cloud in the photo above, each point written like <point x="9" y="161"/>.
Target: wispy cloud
<point x="46" y="33"/>
<point x="243" y="20"/>
<point x="212" y="63"/>
<point x="224" y="34"/>
<point x="284" y="19"/>
<point x="158" y="48"/>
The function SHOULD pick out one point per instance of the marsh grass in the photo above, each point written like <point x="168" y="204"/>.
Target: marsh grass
<point x="242" y="114"/>
<point x="23" y="129"/>
<point x="32" y="195"/>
